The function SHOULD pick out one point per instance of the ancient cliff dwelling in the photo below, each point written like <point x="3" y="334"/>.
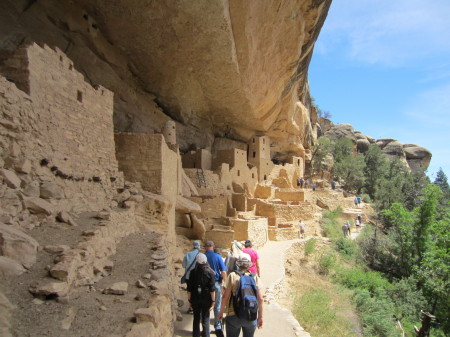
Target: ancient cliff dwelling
<point x="130" y="128"/>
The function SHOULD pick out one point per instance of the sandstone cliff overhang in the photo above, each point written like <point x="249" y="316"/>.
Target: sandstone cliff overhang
<point x="238" y="63"/>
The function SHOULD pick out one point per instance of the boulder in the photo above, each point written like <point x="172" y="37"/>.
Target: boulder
<point x="10" y="178"/>
<point x="5" y="316"/>
<point x="394" y="148"/>
<point x="66" y="218"/>
<point x="49" y="190"/>
<point x="119" y="288"/>
<point x="10" y="267"/>
<point x="340" y="131"/>
<point x="17" y="246"/>
<point x="413" y="151"/>
<point x="23" y="166"/>
<point x="32" y="189"/>
<point x="382" y="142"/>
<point x="322" y="204"/>
<point x="38" y="206"/>
<point x="418" y="157"/>
<point x="50" y="289"/>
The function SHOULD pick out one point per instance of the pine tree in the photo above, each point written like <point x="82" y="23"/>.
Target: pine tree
<point x="442" y="182"/>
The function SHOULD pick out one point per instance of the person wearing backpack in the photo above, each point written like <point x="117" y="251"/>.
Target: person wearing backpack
<point x="189" y="265"/>
<point x="216" y="263"/>
<point x="201" y="295"/>
<point x="243" y="300"/>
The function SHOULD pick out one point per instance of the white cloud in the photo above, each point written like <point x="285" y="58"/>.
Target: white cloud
<point x="388" y="32"/>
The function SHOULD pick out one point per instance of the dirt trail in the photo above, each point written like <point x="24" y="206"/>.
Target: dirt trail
<point x="278" y="321"/>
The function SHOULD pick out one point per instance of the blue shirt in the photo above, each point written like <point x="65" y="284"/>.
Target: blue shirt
<point x="216" y="263"/>
<point x="187" y="262"/>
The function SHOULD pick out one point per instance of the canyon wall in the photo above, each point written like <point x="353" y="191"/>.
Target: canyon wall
<point x="218" y="68"/>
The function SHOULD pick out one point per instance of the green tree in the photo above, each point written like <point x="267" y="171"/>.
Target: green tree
<point x="375" y="169"/>
<point x="442" y="182"/>
<point x="392" y="185"/>
<point x="321" y="150"/>
<point x="413" y="188"/>
<point x="401" y="239"/>
<point x="426" y="217"/>
<point x="348" y="165"/>
<point x="434" y="271"/>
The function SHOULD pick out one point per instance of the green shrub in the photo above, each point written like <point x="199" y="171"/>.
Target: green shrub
<point x="356" y="278"/>
<point x="376" y="314"/>
<point x="333" y="214"/>
<point x="330" y="226"/>
<point x="348" y="248"/>
<point x="310" y="246"/>
<point x="331" y="229"/>
<point x="326" y="262"/>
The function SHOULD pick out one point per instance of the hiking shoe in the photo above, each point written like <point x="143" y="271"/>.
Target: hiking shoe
<point x="190" y="311"/>
<point x="219" y="333"/>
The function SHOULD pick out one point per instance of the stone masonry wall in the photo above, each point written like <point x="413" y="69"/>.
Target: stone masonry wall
<point x="147" y="159"/>
<point x="60" y="134"/>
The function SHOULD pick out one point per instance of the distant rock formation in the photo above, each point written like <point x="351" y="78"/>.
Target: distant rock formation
<point x="416" y="157"/>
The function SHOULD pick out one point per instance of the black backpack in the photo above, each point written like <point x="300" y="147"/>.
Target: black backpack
<point x="245" y="300"/>
<point x="202" y="281"/>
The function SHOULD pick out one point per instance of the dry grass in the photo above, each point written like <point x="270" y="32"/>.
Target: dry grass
<point x="322" y="308"/>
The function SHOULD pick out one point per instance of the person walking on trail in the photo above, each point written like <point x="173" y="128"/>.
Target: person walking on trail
<point x="359" y="217"/>
<point x="333" y="185"/>
<point x="345" y="229"/>
<point x="357" y="224"/>
<point x="306" y="183"/>
<point x="235" y="324"/>
<point x="216" y="263"/>
<point x="302" y="229"/>
<point x="232" y="256"/>
<point x="189" y="263"/>
<point x="358" y="199"/>
<point x="314" y="186"/>
<point x="201" y="295"/>
<point x="302" y="182"/>
<point x="254" y="268"/>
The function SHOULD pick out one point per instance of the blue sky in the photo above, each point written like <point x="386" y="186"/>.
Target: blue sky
<point x="384" y="67"/>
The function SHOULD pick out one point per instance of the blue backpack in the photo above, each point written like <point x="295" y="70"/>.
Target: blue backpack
<point x="245" y="300"/>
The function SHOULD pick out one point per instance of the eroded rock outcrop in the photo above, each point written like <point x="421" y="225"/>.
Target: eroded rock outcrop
<point x="416" y="157"/>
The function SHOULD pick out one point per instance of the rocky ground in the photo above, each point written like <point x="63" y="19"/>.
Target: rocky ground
<point x="86" y="311"/>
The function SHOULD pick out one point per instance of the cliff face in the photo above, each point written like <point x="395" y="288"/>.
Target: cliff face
<point x="416" y="157"/>
<point x="219" y="68"/>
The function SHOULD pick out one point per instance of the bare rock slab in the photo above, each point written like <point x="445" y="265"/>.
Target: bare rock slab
<point x="119" y="288"/>
<point x="10" y="178"/>
<point x="38" y="206"/>
<point x="59" y="289"/>
<point x="9" y="267"/>
<point x="17" y="246"/>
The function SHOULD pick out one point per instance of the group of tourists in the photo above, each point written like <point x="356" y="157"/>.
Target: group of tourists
<point x="229" y="286"/>
<point x="347" y="227"/>
<point x="304" y="183"/>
